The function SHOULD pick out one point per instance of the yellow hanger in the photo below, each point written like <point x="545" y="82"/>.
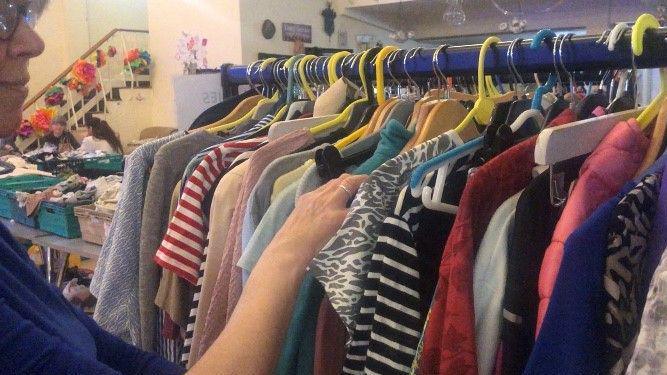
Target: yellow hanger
<point x="302" y="75"/>
<point x="222" y="126"/>
<point x="643" y="23"/>
<point x="347" y="111"/>
<point x="379" y="71"/>
<point x="484" y="106"/>
<point x="333" y="62"/>
<point x="376" y="120"/>
<point x="493" y="91"/>
<point x="356" y="135"/>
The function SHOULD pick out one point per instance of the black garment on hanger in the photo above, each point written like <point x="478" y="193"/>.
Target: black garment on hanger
<point x="624" y="103"/>
<point x="584" y="109"/>
<point x="220" y="110"/>
<point x="534" y="224"/>
<point x="556" y="109"/>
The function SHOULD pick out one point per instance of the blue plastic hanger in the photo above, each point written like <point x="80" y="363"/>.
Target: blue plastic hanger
<point x="551" y="82"/>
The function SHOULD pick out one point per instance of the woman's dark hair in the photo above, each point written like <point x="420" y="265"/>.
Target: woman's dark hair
<point x="102" y="130"/>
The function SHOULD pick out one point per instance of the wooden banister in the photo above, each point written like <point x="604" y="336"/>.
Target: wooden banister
<point x="85" y="55"/>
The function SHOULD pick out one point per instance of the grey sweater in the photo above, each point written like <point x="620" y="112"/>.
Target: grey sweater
<point x="116" y="281"/>
<point x="170" y="162"/>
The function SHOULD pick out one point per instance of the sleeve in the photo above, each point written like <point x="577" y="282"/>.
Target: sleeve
<point x="123" y="357"/>
<point x="24" y="348"/>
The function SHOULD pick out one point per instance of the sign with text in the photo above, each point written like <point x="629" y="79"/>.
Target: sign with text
<point x="193" y="94"/>
<point x="293" y="31"/>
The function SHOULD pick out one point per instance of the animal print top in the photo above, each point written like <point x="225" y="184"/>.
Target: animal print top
<point x="343" y="264"/>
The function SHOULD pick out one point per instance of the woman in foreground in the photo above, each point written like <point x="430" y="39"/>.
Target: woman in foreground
<point x="41" y="333"/>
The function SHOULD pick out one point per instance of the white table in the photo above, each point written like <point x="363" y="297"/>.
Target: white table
<point x="52" y="242"/>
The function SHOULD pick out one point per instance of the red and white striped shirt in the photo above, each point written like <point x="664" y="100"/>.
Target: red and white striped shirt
<point x="182" y="248"/>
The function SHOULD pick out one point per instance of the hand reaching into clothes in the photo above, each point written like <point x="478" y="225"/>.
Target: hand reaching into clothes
<point x="252" y="340"/>
<point x="317" y="217"/>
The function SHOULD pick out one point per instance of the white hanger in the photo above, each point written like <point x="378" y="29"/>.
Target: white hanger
<point x="615" y="35"/>
<point x="280" y="128"/>
<point x="432" y="198"/>
<point x="525" y="116"/>
<point x="568" y="141"/>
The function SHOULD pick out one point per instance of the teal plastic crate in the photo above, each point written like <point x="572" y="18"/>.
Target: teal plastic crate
<point x="6" y="198"/>
<point x="100" y="166"/>
<point x="109" y="163"/>
<point x="59" y="219"/>
<point x="29" y="183"/>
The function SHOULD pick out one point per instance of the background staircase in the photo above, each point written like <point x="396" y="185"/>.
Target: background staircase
<point x="125" y="98"/>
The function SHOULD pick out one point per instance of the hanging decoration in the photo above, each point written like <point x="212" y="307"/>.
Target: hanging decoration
<point x="41" y="120"/>
<point x="35" y="127"/>
<point x="191" y="52"/>
<point x="137" y="60"/>
<point x="100" y="58"/>
<point x="55" y="97"/>
<point x="454" y="14"/>
<point x="111" y="51"/>
<point x="401" y="35"/>
<point x="329" y="16"/>
<point x="83" y="78"/>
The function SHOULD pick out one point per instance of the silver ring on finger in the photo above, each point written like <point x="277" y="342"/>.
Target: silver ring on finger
<point x="346" y="190"/>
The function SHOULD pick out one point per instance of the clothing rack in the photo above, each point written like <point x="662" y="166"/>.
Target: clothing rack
<point x="580" y="53"/>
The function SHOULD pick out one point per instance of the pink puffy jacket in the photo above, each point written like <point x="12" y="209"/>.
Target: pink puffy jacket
<point x="614" y="162"/>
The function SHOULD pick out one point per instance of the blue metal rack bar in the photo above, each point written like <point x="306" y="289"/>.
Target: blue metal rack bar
<point x="580" y="53"/>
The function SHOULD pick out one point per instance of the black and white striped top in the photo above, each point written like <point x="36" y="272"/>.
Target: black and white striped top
<point x="390" y="321"/>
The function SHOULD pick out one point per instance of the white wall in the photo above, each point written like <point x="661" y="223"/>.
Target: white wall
<point x="219" y="21"/>
<point x="105" y="15"/>
<point x="308" y="12"/>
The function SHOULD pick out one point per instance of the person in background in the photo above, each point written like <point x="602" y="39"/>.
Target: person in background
<point x="42" y="333"/>
<point x="60" y="137"/>
<point x="101" y="137"/>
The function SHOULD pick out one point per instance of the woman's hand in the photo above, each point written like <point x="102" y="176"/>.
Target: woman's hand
<point x="252" y="340"/>
<point x="316" y="218"/>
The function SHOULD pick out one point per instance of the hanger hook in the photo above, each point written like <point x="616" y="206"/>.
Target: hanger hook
<point x="436" y="67"/>
<point x="248" y="74"/>
<point x="277" y="68"/>
<point x="409" y="55"/>
<point x="390" y="60"/>
<point x="320" y="79"/>
<point x="513" y="69"/>
<point x="562" y="64"/>
<point x="554" y="52"/>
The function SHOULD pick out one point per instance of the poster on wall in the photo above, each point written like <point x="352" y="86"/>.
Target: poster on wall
<point x="296" y="32"/>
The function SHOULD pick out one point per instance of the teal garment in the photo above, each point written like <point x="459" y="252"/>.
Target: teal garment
<point x="394" y="137"/>
<point x="298" y="354"/>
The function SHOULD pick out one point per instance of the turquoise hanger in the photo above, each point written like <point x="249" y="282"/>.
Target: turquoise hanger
<point x="551" y="81"/>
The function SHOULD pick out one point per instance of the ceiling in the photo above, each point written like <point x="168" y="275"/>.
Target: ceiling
<point x="410" y="14"/>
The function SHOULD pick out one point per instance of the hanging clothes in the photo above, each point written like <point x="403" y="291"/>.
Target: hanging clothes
<point x="168" y="166"/>
<point x="649" y="348"/>
<point x="115" y="282"/>
<point x="614" y="162"/>
<point x="222" y="209"/>
<point x="350" y="248"/>
<point x="449" y="336"/>
<point x="573" y="336"/>
<point x="228" y="284"/>
<point x="489" y="276"/>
